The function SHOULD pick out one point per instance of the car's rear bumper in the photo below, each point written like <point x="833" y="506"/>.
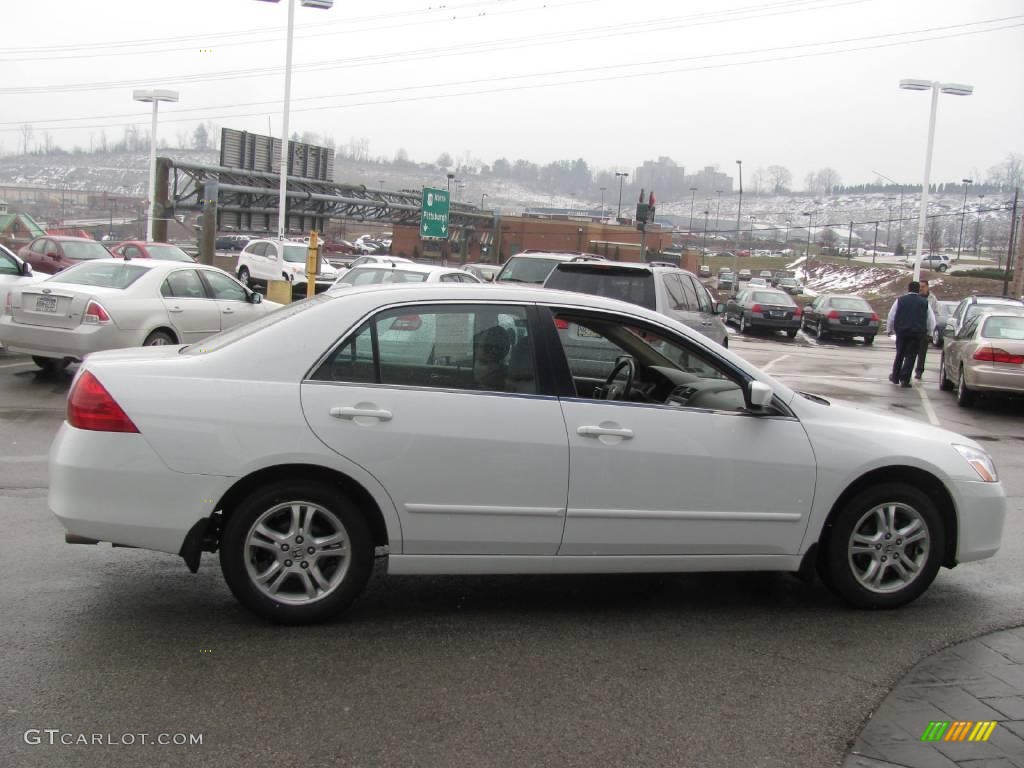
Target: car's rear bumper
<point x="981" y="511"/>
<point x="759" y="321"/>
<point x="75" y="342"/>
<point x="987" y="377"/>
<point x="845" y="329"/>
<point x="113" y="487"/>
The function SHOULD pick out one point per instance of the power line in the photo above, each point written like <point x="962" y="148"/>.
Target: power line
<point x="46" y="125"/>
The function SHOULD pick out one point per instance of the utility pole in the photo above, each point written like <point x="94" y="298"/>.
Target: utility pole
<point x="736" y="252"/>
<point x="874" y="248"/>
<point x="704" y="248"/>
<point x="693" y="194"/>
<point x="849" y="244"/>
<point x="622" y="175"/>
<point x="602" y="202"/>
<point x="963" y="215"/>
<point x="1009" y="249"/>
<point x="977" y="227"/>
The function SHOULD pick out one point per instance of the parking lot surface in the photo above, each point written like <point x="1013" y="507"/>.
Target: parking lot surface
<point x="649" y="670"/>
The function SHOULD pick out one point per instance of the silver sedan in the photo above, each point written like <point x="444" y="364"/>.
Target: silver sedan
<point x="111" y="303"/>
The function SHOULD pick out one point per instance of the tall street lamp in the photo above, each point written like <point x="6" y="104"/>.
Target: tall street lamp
<point x="602" y="202"/>
<point x="450" y="177"/>
<point x="282" y="203"/>
<point x="704" y="248"/>
<point x="953" y="89"/>
<point x="751" y="248"/>
<point x="739" y="211"/>
<point x="810" y="224"/>
<point x="622" y="175"/>
<point x="155" y="97"/>
<point x="963" y="215"/>
<point x="786" y="238"/>
<point x="482" y="198"/>
<point x="693" y="194"/>
<point x="977" y="227"/>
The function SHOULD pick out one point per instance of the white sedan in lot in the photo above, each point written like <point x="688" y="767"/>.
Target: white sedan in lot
<point x="113" y="303"/>
<point x="402" y="272"/>
<point x="679" y="456"/>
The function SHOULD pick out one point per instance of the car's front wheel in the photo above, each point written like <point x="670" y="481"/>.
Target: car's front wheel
<point x="885" y="546"/>
<point x="296" y="552"/>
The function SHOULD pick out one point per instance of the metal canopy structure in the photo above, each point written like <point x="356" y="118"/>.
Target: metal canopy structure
<point x="248" y="200"/>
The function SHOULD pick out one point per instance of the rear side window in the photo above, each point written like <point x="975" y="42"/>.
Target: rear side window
<point x="101" y="275"/>
<point x="635" y="286"/>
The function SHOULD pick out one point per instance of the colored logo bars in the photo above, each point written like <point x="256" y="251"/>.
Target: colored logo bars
<point x="959" y="730"/>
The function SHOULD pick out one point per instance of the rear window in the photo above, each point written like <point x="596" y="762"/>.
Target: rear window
<point x="83" y="250"/>
<point x="633" y="285"/>
<point x="851" y="305"/>
<point x="527" y="270"/>
<point x="168" y="253"/>
<point x="1011" y="328"/>
<point x="101" y="275"/>
<point x="772" y="297"/>
<point x="239" y="332"/>
<point x="372" y="276"/>
<point x="974" y="310"/>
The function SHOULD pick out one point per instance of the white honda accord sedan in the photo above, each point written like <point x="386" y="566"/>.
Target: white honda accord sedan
<point x="113" y="303"/>
<point x="602" y="437"/>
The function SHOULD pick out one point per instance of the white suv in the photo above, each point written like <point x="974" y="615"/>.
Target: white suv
<point x="264" y="260"/>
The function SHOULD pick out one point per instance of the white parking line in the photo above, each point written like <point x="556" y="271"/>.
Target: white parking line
<point x="932" y="418"/>
<point x="770" y="363"/>
<point x="15" y="365"/>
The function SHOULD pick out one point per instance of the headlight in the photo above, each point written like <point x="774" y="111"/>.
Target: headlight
<point x="980" y="462"/>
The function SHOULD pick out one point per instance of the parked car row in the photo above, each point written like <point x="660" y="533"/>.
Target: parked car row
<point x="985" y="355"/>
<point x="49" y="254"/>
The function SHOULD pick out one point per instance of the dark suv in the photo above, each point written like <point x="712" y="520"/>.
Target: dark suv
<point x="672" y="291"/>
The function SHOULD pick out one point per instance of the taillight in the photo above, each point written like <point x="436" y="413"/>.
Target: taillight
<point x="756" y="308"/>
<point x="95" y="314"/>
<point x="91" y="407"/>
<point x="406" y="323"/>
<point x="797" y="311"/>
<point x="874" y="317"/>
<point x="562" y="325"/>
<point x="833" y="315"/>
<point x="997" y="355"/>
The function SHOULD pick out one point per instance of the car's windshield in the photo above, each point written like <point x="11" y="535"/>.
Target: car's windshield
<point x="82" y="250"/>
<point x="623" y="283"/>
<point x="104" y="275"/>
<point x="772" y="297"/>
<point x="851" y="304"/>
<point x="167" y="253"/>
<point x="527" y="270"/>
<point x="1011" y="328"/>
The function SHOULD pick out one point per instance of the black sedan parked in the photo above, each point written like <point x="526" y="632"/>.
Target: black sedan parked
<point x="841" y="316"/>
<point x="756" y="308"/>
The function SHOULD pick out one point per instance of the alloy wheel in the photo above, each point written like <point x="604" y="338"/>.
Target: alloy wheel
<point x="889" y="547"/>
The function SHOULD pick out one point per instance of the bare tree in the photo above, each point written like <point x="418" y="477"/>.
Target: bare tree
<point x="444" y="160"/>
<point x="26" y="137"/>
<point x="811" y="182"/>
<point x="1008" y="174"/>
<point x="779" y="178"/>
<point x="827" y="238"/>
<point x="933" y="234"/>
<point x="200" y="137"/>
<point x="759" y="178"/>
<point x="827" y="179"/>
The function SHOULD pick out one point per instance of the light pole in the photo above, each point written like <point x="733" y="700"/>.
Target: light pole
<point x="739" y="211"/>
<point x="786" y="238"/>
<point x="751" y="248"/>
<point x="154" y="97"/>
<point x="874" y="248"/>
<point x="888" y="221"/>
<point x="704" y="248"/>
<point x="977" y="227"/>
<point x="482" y="198"/>
<point x="810" y="224"/>
<point x="953" y="89"/>
<point x="693" y="194"/>
<point x="963" y="215"/>
<point x="450" y="177"/>
<point x="602" y="202"/>
<point x="622" y="175"/>
<point x="282" y="202"/>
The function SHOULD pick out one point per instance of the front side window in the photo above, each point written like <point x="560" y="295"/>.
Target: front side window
<point x="8" y="266"/>
<point x="223" y="287"/>
<point x="256" y="249"/>
<point x="449" y="347"/>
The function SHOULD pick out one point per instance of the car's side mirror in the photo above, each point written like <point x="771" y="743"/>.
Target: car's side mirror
<point x="719" y="308"/>
<point x="758" y="395"/>
<point x="948" y="330"/>
<point x="26" y="269"/>
<point x="255" y="298"/>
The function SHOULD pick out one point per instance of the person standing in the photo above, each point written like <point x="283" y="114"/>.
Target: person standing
<point x="909" y="318"/>
<point x="922" y="353"/>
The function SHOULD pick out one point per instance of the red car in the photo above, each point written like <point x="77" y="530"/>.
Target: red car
<point x="137" y="249"/>
<point x="52" y="253"/>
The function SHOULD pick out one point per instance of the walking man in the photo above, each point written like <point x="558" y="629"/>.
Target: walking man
<point x="926" y="339"/>
<point x="910" y="318"/>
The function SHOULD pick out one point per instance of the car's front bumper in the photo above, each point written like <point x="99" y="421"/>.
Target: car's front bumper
<point x="113" y="487"/>
<point x="75" y="342"/>
<point x="981" y="513"/>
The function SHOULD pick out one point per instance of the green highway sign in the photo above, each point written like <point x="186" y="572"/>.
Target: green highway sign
<point x="434" y="214"/>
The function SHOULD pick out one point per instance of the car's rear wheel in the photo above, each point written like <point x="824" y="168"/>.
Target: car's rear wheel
<point x="944" y="383"/>
<point x="158" y="339"/>
<point x="792" y="333"/>
<point x="51" y="364"/>
<point x="937" y="337"/>
<point x="243" y="276"/>
<point x="885" y="546"/>
<point x="743" y="324"/>
<point x="819" y="331"/>
<point x="296" y="552"/>
<point x="869" y="340"/>
<point x="964" y="396"/>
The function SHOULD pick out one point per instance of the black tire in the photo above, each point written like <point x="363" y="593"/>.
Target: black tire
<point x="243" y="277"/>
<point x="744" y="328"/>
<point x="792" y="333"/>
<point x="159" y="339"/>
<point x="937" y="337"/>
<point x="964" y="396"/>
<point x="869" y="340"/>
<point x="839" y="564"/>
<point x="943" y="268"/>
<point x="819" y="331"/>
<point x="235" y="560"/>
<point x="944" y="383"/>
<point x="51" y="364"/>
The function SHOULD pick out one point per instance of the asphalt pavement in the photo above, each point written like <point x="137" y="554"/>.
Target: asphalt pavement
<point x="740" y="670"/>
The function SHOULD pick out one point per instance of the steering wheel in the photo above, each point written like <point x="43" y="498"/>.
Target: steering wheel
<point x="608" y="390"/>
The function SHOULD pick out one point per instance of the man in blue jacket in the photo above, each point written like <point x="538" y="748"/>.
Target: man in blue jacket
<point x="911" y="319"/>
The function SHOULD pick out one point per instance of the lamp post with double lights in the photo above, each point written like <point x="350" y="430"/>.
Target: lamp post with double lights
<point x="622" y="176"/>
<point x="154" y="96"/>
<point x="282" y="214"/>
<point x="963" y="215"/>
<point x="951" y="89"/>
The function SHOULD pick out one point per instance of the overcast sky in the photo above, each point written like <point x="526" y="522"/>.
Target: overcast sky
<point x="801" y="83"/>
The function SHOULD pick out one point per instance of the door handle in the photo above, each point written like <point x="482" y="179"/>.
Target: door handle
<point x="604" y="431"/>
<point x="348" y="412"/>
<point x="175" y="309"/>
<point x="228" y="310"/>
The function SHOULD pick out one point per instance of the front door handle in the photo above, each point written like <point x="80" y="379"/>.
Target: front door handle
<point x="175" y="309"/>
<point x="349" y="412"/>
<point x="228" y="311"/>
<point x="605" y="432"/>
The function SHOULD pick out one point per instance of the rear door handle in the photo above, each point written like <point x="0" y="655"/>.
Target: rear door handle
<point x="604" y="431"/>
<point x="228" y="310"/>
<point x="348" y="412"/>
<point x="175" y="309"/>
